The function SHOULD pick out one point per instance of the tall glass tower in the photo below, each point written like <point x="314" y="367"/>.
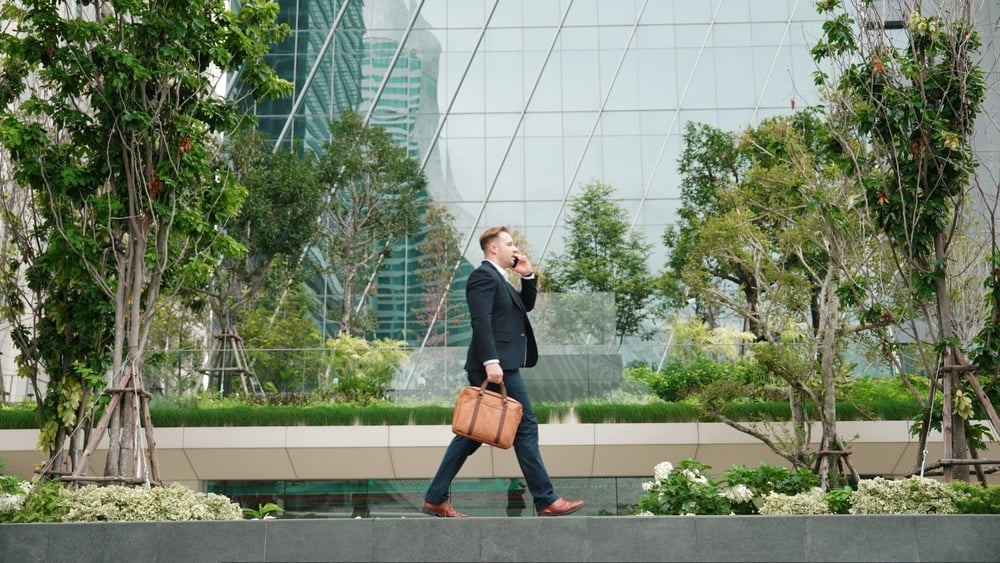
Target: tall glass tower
<point x="512" y="105"/>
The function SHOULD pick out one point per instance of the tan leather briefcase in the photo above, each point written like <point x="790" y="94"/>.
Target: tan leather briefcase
<point x="486" y="416"/>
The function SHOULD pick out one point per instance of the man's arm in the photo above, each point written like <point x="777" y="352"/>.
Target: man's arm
<point x="480" y="291"/>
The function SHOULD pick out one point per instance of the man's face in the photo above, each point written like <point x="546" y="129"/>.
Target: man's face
<point x="506" y="250"/>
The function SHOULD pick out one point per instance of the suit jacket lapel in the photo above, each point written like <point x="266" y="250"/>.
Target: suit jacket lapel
<point x="514" y="295"/>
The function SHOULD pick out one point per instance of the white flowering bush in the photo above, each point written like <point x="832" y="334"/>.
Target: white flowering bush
<point x="915" y="495"/>
<point x="134" y="504"/>
<point x="684" y="490"/>
<point x="746" y="487"/>
<point x="810" y="502"/>
<point x="13" y="493"/>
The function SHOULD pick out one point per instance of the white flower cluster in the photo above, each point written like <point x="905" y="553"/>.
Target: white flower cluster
<point x="812" y="502"/>
<point x="137" y="504"/>
<point x="695" y="476"/>
<point x="738" y="493"/>
<point x="915" y="495"/>
<point x="12" y="502"/>
<point x="662" y="471"/>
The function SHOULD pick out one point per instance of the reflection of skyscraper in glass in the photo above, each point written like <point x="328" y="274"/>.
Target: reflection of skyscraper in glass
<point x="323" y="63"/>
<point x="513" y="105"/>
<point x="399" y="94"/>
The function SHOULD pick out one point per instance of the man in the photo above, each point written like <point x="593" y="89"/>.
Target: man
<point x="502" y="343"/>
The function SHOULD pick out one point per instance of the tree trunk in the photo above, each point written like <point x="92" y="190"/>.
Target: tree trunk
<point x="952" y="423"/>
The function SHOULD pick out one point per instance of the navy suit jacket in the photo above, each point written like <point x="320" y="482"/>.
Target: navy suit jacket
<point x="500" y="326"/>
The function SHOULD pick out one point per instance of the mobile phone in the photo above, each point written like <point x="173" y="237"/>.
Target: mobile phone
<point x="516" y="260"/>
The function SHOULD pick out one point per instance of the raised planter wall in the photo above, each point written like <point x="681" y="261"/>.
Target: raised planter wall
<point x="670" y="538"/>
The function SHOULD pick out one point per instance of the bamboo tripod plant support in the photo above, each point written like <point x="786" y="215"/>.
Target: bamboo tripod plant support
<point x="141" y="425"/>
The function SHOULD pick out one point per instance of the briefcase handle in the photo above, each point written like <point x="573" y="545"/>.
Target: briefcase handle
<point x="503" y="389"/>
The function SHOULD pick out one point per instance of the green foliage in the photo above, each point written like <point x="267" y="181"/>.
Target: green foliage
<point x="681" y="378"/>
<point x="440" y="246"/>
<point x="603" y="255"/>
<point x="596" y="413"/>
<point x="273" y="331"/>
<point x="262" y="512"/>
<point x="839" y="500"/>
<point x="766" y="479"/>
<point x="22" y="501"/>
<point x="376" y="195"/>
<point x="364" y="369"/>
<point x="976" y="499"/>
<point x="866" y="390"/>
<point x="682" y="490"/>
<point x="110" y="122"/>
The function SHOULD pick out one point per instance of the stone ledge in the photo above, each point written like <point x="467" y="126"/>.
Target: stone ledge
<point x="196" y="454"/>
<point x="665" y="538"/>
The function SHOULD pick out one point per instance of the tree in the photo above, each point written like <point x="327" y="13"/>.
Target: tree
<point x="284" y="344"/>
<point x="788" y="226"/>
<point x="438" y="251"/>
<point x="709" y="164"/>
<point x="374" y="198"/>
<point x="916" y="106"/>
<point x="603" y="255"/>
<point x="110" y="117"/>
<point x="276" y="224"/>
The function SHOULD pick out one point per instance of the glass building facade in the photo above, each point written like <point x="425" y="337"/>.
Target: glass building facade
<point x="511" y="106"/>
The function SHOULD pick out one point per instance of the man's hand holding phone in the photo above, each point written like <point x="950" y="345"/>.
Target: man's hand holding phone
<point x="522" y="265"/>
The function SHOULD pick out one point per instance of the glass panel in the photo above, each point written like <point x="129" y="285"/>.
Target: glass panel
<point x="693" y="35"/>
<point x="731" y="35"/>
<point x="693" y="12"/>
<point x="623" y="165"/>
<point x="542" y="180"/>
<point x="504" y="81"/>
<point x="581" y="87"/>
<point x="770" y="11"/>
<point x="501" y="125"/>
<point x="698" y="69"/>
<point x="503" y="39"/>
<point x="654" y="36"/>
<point x="548" y="93"/>
<point x="657" y="79"/>
<point x="735" y="70"/>
<point x="468" y="13"/>
<point x="617" y="12"/>
<point x="624" y="92"/>
<point x="734" y="11"/>
<point x="548" y="124"/>
<point x="583" y="12"/>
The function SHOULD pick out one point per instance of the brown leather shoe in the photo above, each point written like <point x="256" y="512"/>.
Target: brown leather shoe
<point x="561" y="508"/>
<point x="443" y="510"/>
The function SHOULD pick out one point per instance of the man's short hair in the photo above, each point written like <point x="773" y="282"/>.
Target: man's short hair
<point x="489" y="234"/>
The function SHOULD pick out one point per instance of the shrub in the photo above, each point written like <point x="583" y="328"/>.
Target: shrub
<point x="762" y="481"/>
<point x="682" y="377"/>
<point x="364" y="369"/>
<point x="22" y="501"/>
<point x="915" y="495"/>
<point x="813" y="501"/>
<point x="683" y="491"/>
<point x="142" y="504"/>
<point x="51" y="501"/>
<point x="976" y="499"/>
<point x="839" y="500"/>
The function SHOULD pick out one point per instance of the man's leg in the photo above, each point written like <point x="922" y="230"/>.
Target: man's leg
<point x="526" y="444"/>
<point x="458" y="451"/>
